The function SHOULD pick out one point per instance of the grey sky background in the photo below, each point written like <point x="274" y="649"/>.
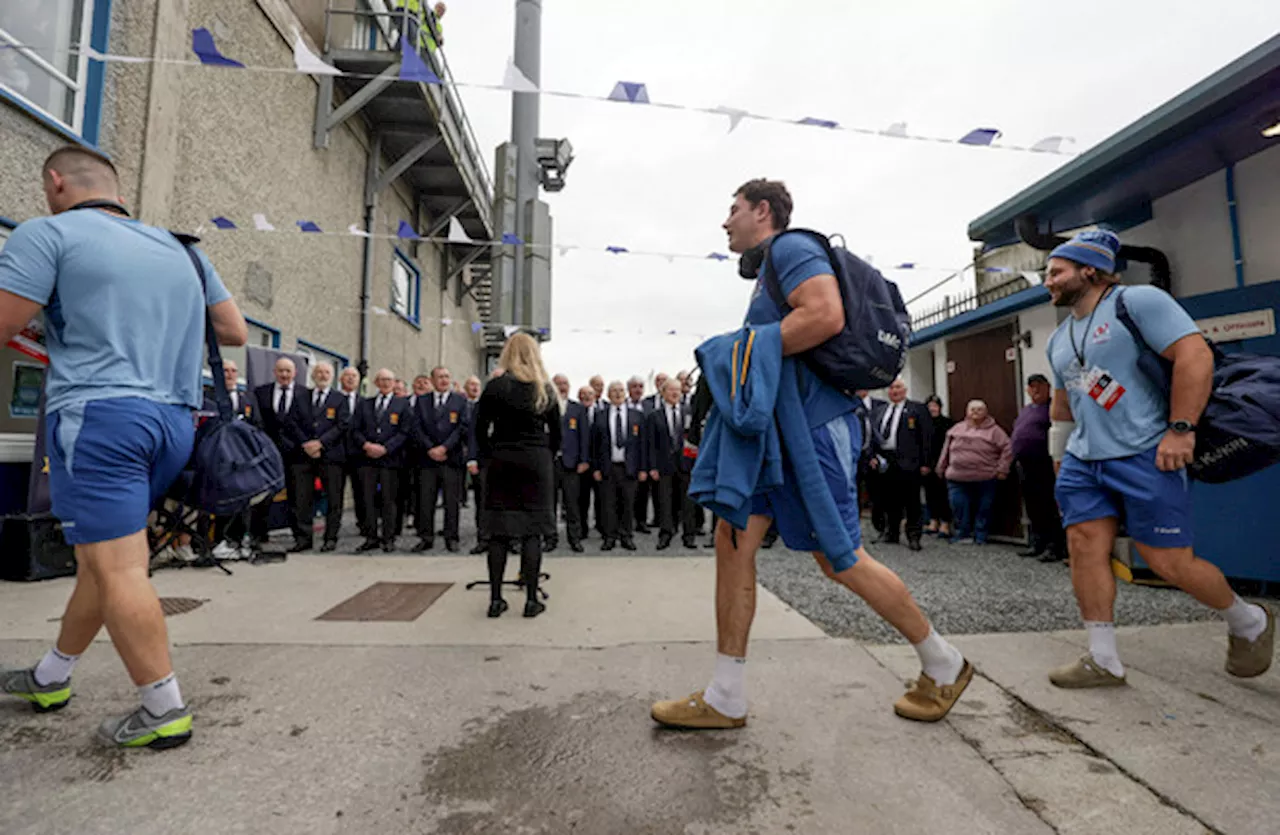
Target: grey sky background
<point x="658" y="180"/>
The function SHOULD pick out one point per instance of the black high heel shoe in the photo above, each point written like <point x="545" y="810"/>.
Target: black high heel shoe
<point x="533" y="608"/>
<point x="497" y="607"/>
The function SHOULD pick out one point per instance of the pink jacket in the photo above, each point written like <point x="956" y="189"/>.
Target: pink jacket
<point x="975" y="453"/>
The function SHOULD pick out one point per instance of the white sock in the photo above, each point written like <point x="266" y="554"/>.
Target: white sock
<point x="727" y="692"/>
<point x="54" y="668"/>
<point x="161" y="696"/>
<point x="941" y="661"/>
<point x="1245" y="620"/>
<point x="1102" y="646"/>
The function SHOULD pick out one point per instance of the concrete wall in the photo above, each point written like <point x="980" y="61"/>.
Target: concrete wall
<point x="918" y="373"/>
<point x="1258" y="209"/>
<point x="1040" y="322"/>
<point x="940" y="373"/>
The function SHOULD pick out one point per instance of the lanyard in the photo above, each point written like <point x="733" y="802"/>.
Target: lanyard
<point x="1088" y="328"/>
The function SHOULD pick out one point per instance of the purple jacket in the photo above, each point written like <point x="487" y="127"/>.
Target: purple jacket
<point x="1031" y="432"/>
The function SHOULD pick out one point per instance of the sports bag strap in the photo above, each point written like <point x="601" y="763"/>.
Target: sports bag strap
<point x="220" y="395"/>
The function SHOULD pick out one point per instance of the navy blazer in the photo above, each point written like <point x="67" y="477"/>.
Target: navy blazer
<point x="637" y="446"/>
<point x="391" y="430"/>
<point x="445" y="427"/>
<point x="575" y="436"/>
<point x="248" y="407"/>
<point x="915" y="434"/>
<point x="333" y="420"/>
<point x="296" y="428"/>
<point x="473" y="450"/>
<point x="665" y="457"/>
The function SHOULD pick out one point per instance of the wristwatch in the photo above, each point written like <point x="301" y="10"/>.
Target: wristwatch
<point x="1182" y="427"/>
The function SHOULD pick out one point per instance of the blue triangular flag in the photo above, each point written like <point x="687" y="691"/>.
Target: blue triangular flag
<point x="509" y="238"/>
<point x="616" y="250"/>
<point x="544" y="331"/>
<point x="818" y="123"/>
<point x="671" y="333"/>
<point x="207" y="51"/>
<point x="308" y="226"/>
<point x="412" y="67"/>
<point x="996" y="270"/>
<point x="406" y="231"/>
<point x="223" y="223"/>
<point x="905" y="265"/>
<point x="718" y="256"/>
<point x="476" y="327"/>
<point x="980" y="136"/>
<point x="630" y="91"/>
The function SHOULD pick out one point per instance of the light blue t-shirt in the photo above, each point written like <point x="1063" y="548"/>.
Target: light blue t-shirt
<point x="798" y="258"/>
<point x="122" y="303"/>
<point x="1139" y="416"/>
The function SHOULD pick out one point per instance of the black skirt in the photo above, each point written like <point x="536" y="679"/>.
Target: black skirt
<point x="519" y="491"/>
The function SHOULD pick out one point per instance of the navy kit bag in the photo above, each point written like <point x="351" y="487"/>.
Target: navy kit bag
<point x="1239" y="432"/>
<point x="871" y="350"/>
<point x="234" y="464"/>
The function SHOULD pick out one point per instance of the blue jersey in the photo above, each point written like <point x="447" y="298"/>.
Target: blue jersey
<point x="1118" y="411"/>
<point x="798" y="258"/>
<point x="124" y="313"/>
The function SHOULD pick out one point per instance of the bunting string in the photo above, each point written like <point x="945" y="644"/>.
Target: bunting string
<point x="413" y="68"/>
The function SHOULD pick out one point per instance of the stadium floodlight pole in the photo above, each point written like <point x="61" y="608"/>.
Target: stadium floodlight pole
<point x="524" y="134"/>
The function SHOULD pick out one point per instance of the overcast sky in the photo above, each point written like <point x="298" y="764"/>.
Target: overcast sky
<point x="653" y="179"/>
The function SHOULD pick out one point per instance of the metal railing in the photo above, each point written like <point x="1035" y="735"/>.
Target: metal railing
<point x="971" y="300"/>
<point x="374" y="30"/>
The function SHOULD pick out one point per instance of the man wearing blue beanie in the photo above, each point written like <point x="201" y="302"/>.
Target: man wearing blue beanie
<point x="1123" y="443"/>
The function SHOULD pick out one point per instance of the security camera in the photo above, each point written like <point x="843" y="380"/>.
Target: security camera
<point x="554" y="157"/>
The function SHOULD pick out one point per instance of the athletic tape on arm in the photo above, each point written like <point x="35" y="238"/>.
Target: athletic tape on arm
<point x="1059" y="432"/>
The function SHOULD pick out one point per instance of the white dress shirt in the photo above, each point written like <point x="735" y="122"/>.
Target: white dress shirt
<point x="889" y="425"/>
<point x="617" y="455"/>
<point x="288" y="397"/>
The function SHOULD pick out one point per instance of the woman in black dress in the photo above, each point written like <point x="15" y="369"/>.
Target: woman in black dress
<point x="935" y="486"/>
<point x="517" y="429"/>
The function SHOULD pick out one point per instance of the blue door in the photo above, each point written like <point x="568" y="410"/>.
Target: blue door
<point x="1236" y="523"/>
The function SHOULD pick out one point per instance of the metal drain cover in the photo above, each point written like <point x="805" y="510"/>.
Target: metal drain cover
<point x="180" y="605"/>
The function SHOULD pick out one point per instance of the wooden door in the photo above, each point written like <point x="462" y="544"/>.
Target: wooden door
<point x="983" y="366"/>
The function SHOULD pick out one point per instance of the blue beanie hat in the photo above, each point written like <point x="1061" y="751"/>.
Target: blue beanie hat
<point x="1094" y="248"/>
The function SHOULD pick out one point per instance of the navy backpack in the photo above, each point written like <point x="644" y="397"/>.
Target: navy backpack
<point x="871" y="350"/>
<point x="234" y="464"/>
<point x="1239" y="432"/>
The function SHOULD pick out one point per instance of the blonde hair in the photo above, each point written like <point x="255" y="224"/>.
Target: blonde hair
<point x="522" y="359"/>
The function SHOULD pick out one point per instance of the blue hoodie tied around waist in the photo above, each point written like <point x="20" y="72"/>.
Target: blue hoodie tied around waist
<point x="758" y="413"/>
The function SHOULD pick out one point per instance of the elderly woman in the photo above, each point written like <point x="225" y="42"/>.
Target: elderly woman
<point x="977" y="455"/>
<point x="935" y="488"/>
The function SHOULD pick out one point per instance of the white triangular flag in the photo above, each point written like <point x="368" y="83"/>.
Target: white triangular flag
<point x="356" y="230"/>
<point x="507" y="330"/>
<point x="446" y="322"/>
<point x="306" y="61"/>
<point x="898" y="129"/>
<point x="458" y="235"/>
<point x="564" y="250"/>
<point x="735" y="115"/>
<point x="516" y="81"/>
<point x="1052" y="144"/>
<point x="379" y="311"/>
<point x="261" y="224"/>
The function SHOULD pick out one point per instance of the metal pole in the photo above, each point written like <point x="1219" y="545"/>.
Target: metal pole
<point x="524" y="132"/>
<point x="366" y="278"/>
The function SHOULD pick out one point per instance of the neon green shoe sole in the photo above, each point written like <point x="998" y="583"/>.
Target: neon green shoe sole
<point x="44" y="698"/>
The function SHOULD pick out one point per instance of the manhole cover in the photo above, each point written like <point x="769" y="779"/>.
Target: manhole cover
<point x="388" y="602"/>
<point x="179" y="605"/>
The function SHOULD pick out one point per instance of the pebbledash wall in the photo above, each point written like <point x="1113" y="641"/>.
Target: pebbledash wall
<point x="197" y="142"/>
<point x="1192" y="226"/>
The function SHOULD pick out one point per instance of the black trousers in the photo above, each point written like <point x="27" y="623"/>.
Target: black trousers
<point x="299" y="484"/>
<point x="869" y="493"/>
<point x="388" y="478"/>
<point x="588" y="497"/>
<point x="431" y="481"/>
<point x="334" y="478"/>
<point x="1037" y="478"/>
<point x="900" y="489"/>
<point x="675" y="510"/>
<point x="407" y="499"/>
<point x="617" y="503"/>
<point x="935" y="493"/>
<point x="641" y="503"/>
<point x="351" y="473"/>
<point x="477" y="487"/>
<point x="568" y="490"/>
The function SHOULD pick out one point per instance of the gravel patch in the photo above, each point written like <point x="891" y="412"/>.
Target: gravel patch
<point x="964" y="589"/>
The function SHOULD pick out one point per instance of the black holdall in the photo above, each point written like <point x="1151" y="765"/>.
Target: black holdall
<point x="234" y="464"/>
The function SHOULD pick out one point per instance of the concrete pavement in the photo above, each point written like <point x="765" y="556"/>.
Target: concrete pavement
<point x="456" y="723"/>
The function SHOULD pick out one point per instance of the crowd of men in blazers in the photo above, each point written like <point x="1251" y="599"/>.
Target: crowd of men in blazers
<point x="407" y="452"/>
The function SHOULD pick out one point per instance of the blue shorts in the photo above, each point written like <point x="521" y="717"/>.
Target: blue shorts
<point x="1155" y="505"/>
<point x="837" y="443"/>
<point x="110" y="461"/>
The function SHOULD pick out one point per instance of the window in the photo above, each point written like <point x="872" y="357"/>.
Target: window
<point x="314" y="353"/>
<point x="262" y="336"/>
<point x="48" y="68"/>
<point x="406" y="286"/>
